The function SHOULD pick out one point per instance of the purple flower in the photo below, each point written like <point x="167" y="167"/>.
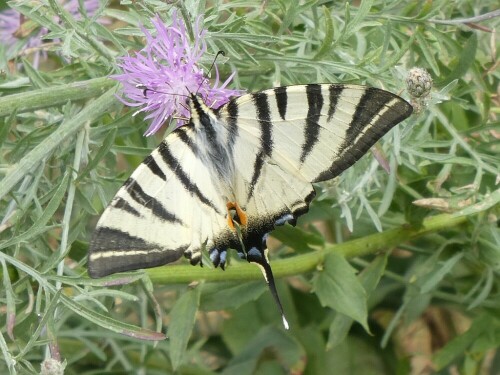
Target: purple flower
<point x="11" y="24"/>
<point x="10" y="27"/>
<point x="160" y="77"/>
<point x="10" y="21"/>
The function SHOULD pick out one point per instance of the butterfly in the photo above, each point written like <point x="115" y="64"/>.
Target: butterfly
<point x="229" y="176"/>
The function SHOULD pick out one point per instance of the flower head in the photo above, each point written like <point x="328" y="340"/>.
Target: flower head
<point x="419" y="85"/>
<point x="10" y="26"/>
<point x="160" y="77"/>
<point x="419" y="82"/>
<point x="11" y="23"/>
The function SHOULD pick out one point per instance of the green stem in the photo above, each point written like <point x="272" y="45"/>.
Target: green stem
<point x="304" y="263"/>
<point x="55" y="95"/>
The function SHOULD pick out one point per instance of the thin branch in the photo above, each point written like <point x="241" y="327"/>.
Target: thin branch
<point x="480" y="18"/>
<point x="306" y="262"/>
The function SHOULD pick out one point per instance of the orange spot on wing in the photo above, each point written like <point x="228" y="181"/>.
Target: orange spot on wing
<point x="241" y="215"/>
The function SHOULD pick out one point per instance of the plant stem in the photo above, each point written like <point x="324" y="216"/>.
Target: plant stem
<point x="306" y="262"/>
<point x="52" y="96"/>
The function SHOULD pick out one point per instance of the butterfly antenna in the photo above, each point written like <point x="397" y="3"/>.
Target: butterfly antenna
<point x="145" y="90"/>
<point x="211" y="67"/>
<point x="260" y="259"/>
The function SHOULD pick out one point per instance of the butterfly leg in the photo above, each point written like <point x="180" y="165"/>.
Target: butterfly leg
<point x="218" y="257"/>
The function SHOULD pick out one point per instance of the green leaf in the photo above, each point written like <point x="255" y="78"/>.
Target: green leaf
<point x="182" y="318"/>
<point x="326" y="45"/>
<point x="241" y="327"/>
<point x="356" y="356"/>
<point x="465" y="61"/>
<point x="338" y="288"/>
<point x="45" y="148"/>
<point x="369" y="278"/>
<point x="34" y="75"/>
<point x="47" y="314"/>
<point x="221" y="296"/>
<point x="438" y="273"/>
<point x="361" y="13"/>
<point x="427" y="51"/>
<point x="109" y="323"/>
<point x="312" y="340"/>
<point x="10" y="306"/>
<point x="40" y="225"/>
<point x="397" y="55"/>
<point x="298" y="239"/>
<point x="283" y="348"/>
<point x="459" y="344"/>
<point x="103" y="150"/>
<point x="5" y="127"/>
<point x="485" y="290"/>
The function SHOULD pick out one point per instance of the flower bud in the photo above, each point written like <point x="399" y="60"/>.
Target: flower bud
<point x="418" y="83"/>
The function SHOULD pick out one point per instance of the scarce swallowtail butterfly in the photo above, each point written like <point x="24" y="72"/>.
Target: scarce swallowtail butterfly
<point x="232" y="174"/>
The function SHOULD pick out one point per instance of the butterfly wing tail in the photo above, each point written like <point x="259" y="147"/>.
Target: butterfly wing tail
<point x="259" y="257"/>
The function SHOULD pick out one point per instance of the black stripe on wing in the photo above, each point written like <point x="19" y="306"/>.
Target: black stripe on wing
<point x="112" y="250"/>
<point x="261" y="102"/>
<point x="281" y="100"/>
<point x="202" y="117"/>
<point x="185" y="134"/>
<point x="140" y="196"/>
<point x="361" y="133"/>
<point x="112" y="239"/>
<point x="174" y="165"/>
<point x="232" y="124"/>
<point x="122" y="204"/>
<point x="150" y="162"/>
<point x="312" y="128"/>
<point x="373" y="102"/>
<point x="335" y="91"/>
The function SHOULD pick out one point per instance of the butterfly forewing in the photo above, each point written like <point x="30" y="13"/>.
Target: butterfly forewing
<point x="317" y="131"/>
<point x="164" y="210"/>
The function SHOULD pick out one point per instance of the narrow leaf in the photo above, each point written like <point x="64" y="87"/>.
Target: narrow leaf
<point x="428" y="52"/>
<point x="10" y="300"/>
<point x="101" y="153"/>
<point x="40" y="225"/>
<point x="220" y="296"/>
<point x="459" y="344"/>
<point x="466" y="59"/>
<point x="109" y="323"/>
<point x="438" y="273"/>
<point x="362" y="12"/>
<point x="288" y="351"/>
<point x="326" y="45"/>
<point x="34" y="75"/>
<point x="44" y="149"/>
<point x="182" y="318"/>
